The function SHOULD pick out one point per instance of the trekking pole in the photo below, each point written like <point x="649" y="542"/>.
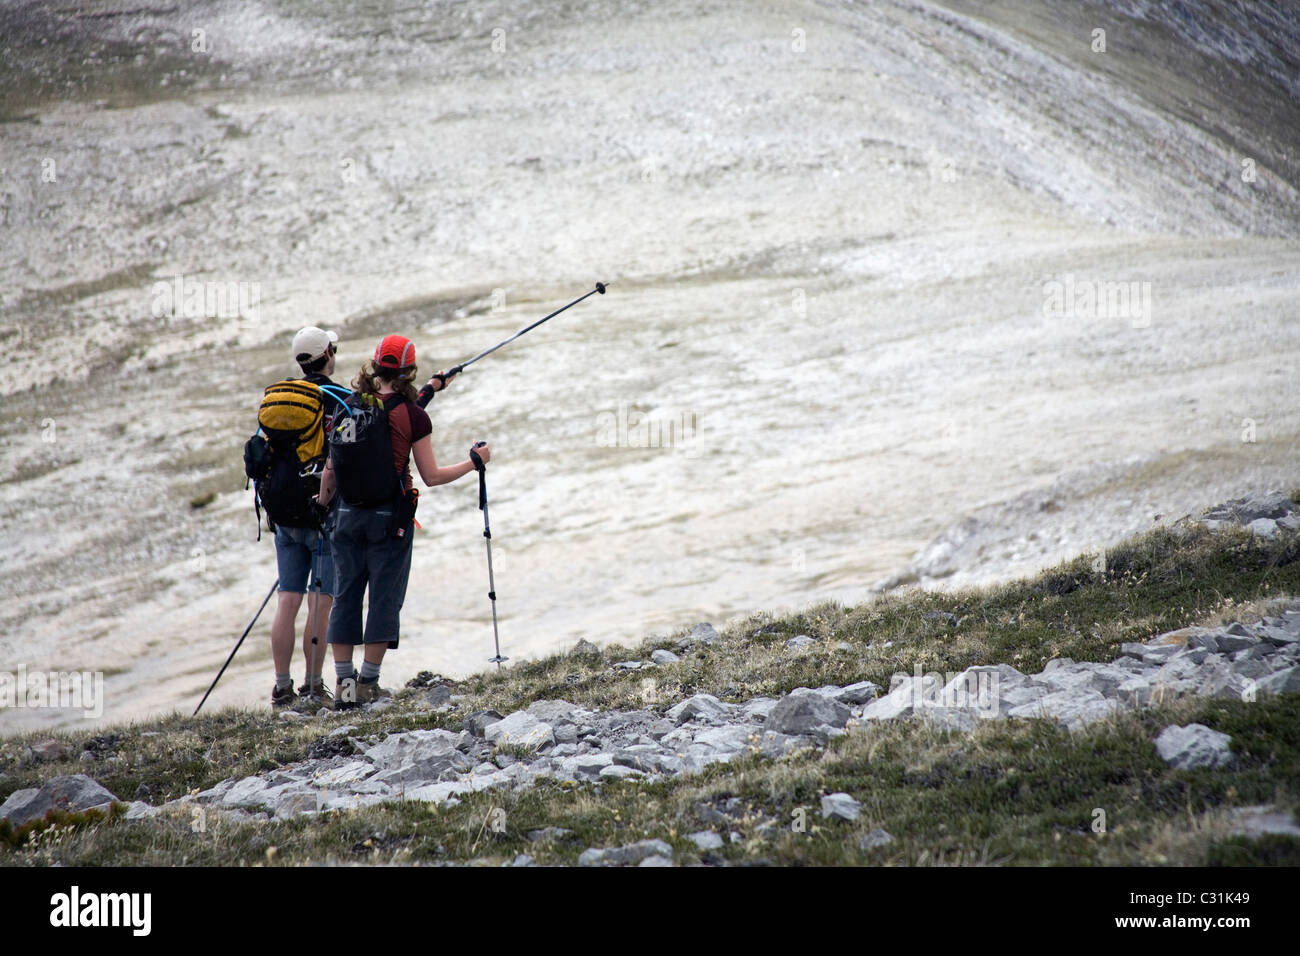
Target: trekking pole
<point x="240" y="641"/>
<point x="487" y="535"/>
<point x="457" y="369"/>
<point x="315" y="637"/>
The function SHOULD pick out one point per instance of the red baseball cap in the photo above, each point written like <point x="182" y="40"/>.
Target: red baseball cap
<point x="395" y="351"/>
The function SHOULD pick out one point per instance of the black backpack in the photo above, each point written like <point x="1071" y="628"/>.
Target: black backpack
<point x="361" y="450"/>
<point x="286" y="464"/>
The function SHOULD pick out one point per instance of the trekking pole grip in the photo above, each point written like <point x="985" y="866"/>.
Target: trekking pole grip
<point x="482" y="474"/>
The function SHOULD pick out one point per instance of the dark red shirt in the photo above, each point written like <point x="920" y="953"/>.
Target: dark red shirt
<point x="407" y="424"/>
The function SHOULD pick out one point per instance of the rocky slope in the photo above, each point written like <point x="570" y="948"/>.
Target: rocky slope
<point x="557" y="741"/>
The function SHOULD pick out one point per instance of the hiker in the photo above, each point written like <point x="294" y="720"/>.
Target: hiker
<point x="302" y="547"/>
<point x="369" y="470"/>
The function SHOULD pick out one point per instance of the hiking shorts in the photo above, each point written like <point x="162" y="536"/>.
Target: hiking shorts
<point x="367" y="557"/>
<point x="295" y="557"/>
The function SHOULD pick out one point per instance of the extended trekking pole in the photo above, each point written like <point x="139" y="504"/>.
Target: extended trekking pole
<point x="237" y="643"/>
<point x="457" y="369"/>
<point x="487" y="535"/>
<point x="315" y="637"/>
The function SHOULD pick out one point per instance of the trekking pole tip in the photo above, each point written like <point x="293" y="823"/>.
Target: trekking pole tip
<point x="600" y="286"/>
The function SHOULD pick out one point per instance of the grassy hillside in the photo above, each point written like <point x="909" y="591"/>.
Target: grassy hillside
<point x="1011" y="792"/>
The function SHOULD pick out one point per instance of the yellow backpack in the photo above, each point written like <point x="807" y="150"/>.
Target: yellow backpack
<point x="293" y="417"/>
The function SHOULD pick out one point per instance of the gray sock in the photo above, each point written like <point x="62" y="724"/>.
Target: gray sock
<point x="283" y="681"/>
<point x="343" y="670"/>
<point x="369" y="671"/>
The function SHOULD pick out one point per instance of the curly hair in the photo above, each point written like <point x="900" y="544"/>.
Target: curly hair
<point x="398" y="379"/>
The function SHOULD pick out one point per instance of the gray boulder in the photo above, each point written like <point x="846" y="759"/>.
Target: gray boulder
<point x="799" y="642"/>
<point x="1274" y="504"/>
<point x="773" y="745"/>
<point x="1223" y="683"/>
<point x="758" y="708"/>
<point x="589" y="764"/>
<point x="701" y="705"/>
<point x="1264" y="527"/>
<point x="638" y="757"/>
<point x="623" y="855"/>
<point x="430" y="769"/>
<point x="840" y="806"/>
<point x="566" y="732"/>
<point x="1102" y="678"/>
<point x="396" y="750"/>
<point x="906" y="693"/>
<point x="1141" y="691"/>
<point x="478" y="722"/>
<point x="1194" y="745"/>
<point x="552" y="711"/>
<point x="293" y="802"/>
<point x="74" y="792"/>
<point x="1280" y="682"/>
<point x="1230" y="642"/>
<point x="584" y="648"/>
<point x="438" y="697"/>
<point x="1074" y="709"/>
<point x="727" y="738"/>
<point x="620" y="772"/>
<point x="705" y="839"/>
<point x="343" y="775"/>
<point x="1280" y="636"/>
<point x="139" y="810"/>
<point x="251" y="792"/>
<point x="858" y="693"/>
<point x="659" y="727"/>
<point x="702" y="633"/>
<point x="876" y="838"/>
<point x="15" y="808"/>
<point x="216" y="793"/>
<point x="663" y="656"/>
<point x="47" y="750"/>
<point x="520" y="729"/>
<point x="802" y="710"/>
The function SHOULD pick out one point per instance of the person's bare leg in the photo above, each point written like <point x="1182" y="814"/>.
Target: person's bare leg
<point x="314" y="654"/>
<point x="286" y="609"/>
<point x="375" y="652"/>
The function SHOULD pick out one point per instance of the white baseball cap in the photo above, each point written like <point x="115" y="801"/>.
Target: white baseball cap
<point x="311" y="343"/>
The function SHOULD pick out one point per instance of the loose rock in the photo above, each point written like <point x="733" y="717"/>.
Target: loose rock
<point x="623" y="855"/>
<point x="802" y="710"/>
<point x="1194" y="745"/>
<point x="876" y="838"/>
<point x="840" y="806"/>
<point x="70" y="792"/>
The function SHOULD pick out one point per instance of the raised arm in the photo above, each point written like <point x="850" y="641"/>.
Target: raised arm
<point x="422" y="452"/>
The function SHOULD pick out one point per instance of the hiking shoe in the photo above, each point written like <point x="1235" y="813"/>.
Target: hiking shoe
<point x="316" y="695"/>
<point x="346" y="696"/>
<point x="283" y="698"/>
<point x="369" y="691"/>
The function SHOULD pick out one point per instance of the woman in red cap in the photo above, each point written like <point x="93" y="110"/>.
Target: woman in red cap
<point x="369" y="471"/>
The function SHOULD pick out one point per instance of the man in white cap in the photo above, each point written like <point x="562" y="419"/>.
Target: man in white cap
<point x="303" y="555"/>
